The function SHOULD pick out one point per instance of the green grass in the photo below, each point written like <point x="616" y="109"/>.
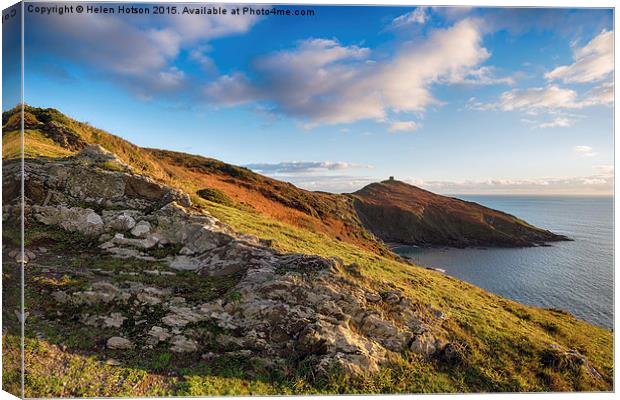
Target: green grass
<point x="35" y="145"/>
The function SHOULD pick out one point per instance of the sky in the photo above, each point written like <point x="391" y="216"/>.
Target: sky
<point x="455" y="100"/>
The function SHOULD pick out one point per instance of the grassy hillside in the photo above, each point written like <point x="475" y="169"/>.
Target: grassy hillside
<point x="48" y="133"/>
<point x="401" y="213"/>
<point x="502" y="345"/>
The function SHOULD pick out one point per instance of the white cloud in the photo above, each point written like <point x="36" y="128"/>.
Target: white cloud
<point x="199" y="55"/>
<point x="452" y="13"/>
<point x="593" y="184"/>
<point x="593" y="62"/>
<point x="403" y="126"/>
<point x="171" y="77"/>
<point x="139" y="58"/>
<point x="559" y="122"/>
<point x="232" y="90"/>
<point x="302" y="167"/>
<point x="474" y="104"/>
<point x="584" y="151"/>
<point x="417" y="16"/>
<point x="550" y="99"/>
<point x="602" y="94"/>
<point x="324" y="82"/>
<point x="601" y="183"/>
<point x="480" y="76"/>
<point x="593" y="181"/>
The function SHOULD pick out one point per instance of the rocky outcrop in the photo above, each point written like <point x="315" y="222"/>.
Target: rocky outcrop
<point x="80" y="181"/>
<point x="283" y="305"/>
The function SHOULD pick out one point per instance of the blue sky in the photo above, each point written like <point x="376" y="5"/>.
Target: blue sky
<point x="456" y="100"/>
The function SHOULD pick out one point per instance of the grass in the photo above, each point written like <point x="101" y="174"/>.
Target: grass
<point x="35" y="145"/>
<point x="111" y="166"/>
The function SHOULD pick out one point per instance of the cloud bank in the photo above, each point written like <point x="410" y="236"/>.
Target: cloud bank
<point x="593" y="63"/>
<point x="302" y="167"/>
<point x="141" y="58"/>
<point x="600" y="182"/>
<point x="322" y="81"/>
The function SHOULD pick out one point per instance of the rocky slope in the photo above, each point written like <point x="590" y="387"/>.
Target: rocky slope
<point x="282" y="305"/>
<point x="401" y="213"/>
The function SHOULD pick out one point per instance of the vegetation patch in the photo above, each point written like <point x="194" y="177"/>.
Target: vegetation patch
<point x="215" y="196"/>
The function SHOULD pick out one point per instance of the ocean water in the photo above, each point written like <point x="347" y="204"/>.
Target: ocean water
<point x="574" y="276"/>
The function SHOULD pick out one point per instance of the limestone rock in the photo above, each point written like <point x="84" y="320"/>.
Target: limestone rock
<point x="391" y="297"/>
<point x="423" y="344"/>
<point x="181" y="344"/>
<point x="95" y="153"/>
<point x="61" y="297"/>
<point x="277" y="306"/>
<point x="148" y="299"/>
<point x="115" y="320"/>
<point x="159" y="333"/>
<point x="373" y="297"/>
<point x="119" y="343"/>
<point x="181" y="316"/>
<point x="122" y="221"/>
<point x="141" y="229"/>
<point x="74" y="219"/>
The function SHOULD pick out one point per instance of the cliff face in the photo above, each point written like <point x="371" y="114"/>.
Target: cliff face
<point x="400" y="213"/>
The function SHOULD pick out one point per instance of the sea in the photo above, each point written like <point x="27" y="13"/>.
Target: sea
<point x="575" y="276"/>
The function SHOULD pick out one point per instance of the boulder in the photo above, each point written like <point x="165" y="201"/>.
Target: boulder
<point x="149" y="299"/>
<point x="181" y="344"/>
<point x="119" y="343"/>
<point x="74" y="219"/>
<point x="122" y="221"/>
<point x="159" y="333"/>
<point x="373" y="297"/>
<point x="423" y="344"/>
<point x="141" y="229"/>
<point x="95" y="153"/>
<point x="391" y="297"/>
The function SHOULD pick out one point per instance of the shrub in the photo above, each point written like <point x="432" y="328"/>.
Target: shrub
<point x="215" y="196"/>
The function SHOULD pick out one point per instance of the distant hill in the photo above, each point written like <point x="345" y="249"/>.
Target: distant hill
<point x="401" y="213"/>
